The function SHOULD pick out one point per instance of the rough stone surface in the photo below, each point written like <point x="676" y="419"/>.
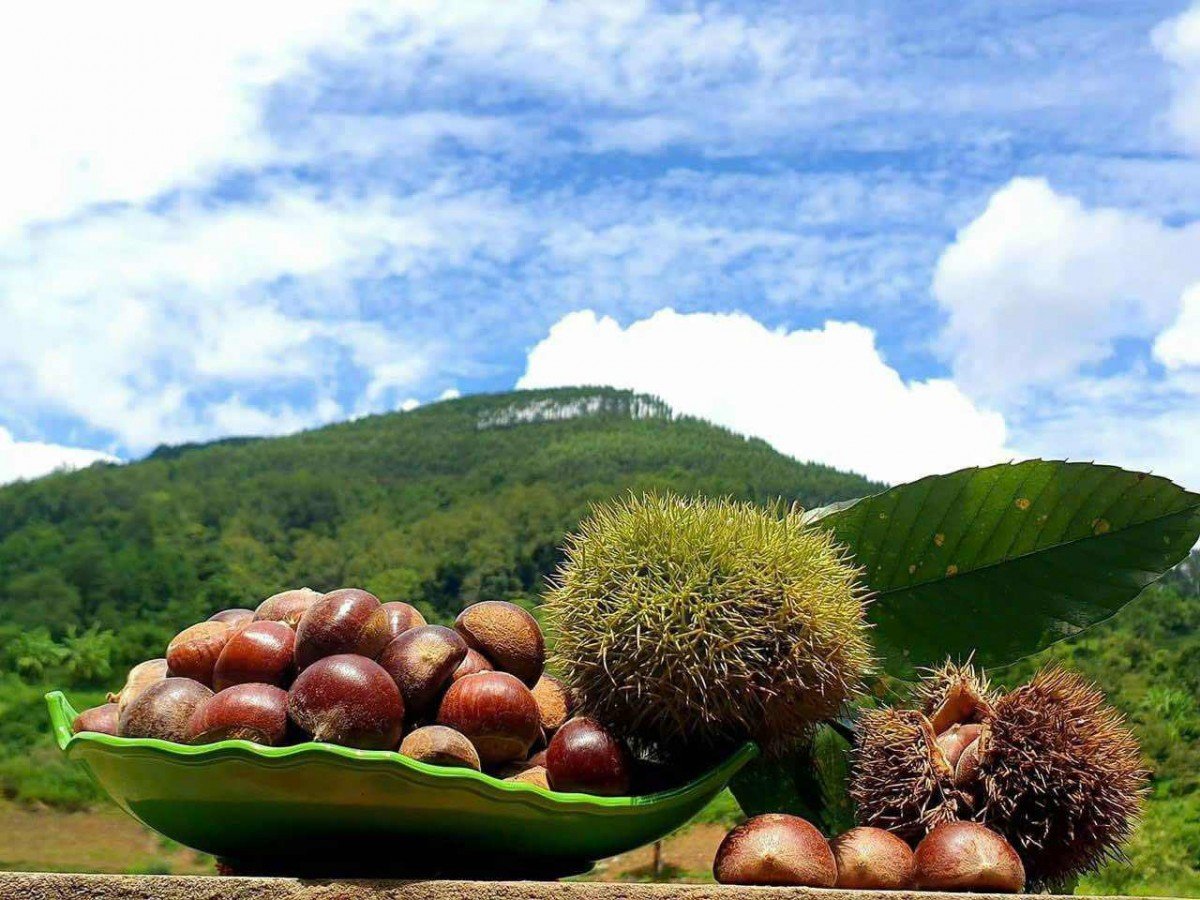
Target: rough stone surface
<point x="39" y="886"/>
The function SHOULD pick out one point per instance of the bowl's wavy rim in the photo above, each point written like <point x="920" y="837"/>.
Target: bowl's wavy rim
<point x="62" y="715"/>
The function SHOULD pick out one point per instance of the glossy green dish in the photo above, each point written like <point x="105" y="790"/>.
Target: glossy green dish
<point x="319" y="809"/>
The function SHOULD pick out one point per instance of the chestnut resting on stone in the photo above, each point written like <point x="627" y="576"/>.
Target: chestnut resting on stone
<point x="775" y="849"/>
<point x="967" y="856"/>
<point x="872" y="859"/>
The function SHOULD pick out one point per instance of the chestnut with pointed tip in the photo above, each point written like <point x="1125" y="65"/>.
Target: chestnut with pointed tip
<point x="261" y="652"/>
<point x="967" y="856"/>
<point x="872" y="859"/>
<point x="98" y="719"/>
<point x="139" y="678"/>
<point x="440" y="746"/>
<point x="497" y="713"/>
<point x="333" y="625"/>
<point x="194" y="651"/>
<point x="386" y="624"/>
<point x="349" y="700"/>
<point x="421" y="662"/>
<point x="473" y="663"/>
<point x="507" y="635"/>
<point x="163" y="710"/>
<point x="235" y="617"/>
<point x="554" y="702"/>
<point x="775" y="849"/>
<point x="584" y="757"/>
<point x="243" y="712"/>
<point x="287" y="607"/>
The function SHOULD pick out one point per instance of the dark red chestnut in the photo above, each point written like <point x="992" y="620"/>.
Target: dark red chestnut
<point x="775" y="849"/>
<point x="287" y="606"/>
<point x="473" y="663"/>
<point x="244" y="712"/>
<point x="421" y="662"/>
<point x="333" y="625"/>
<point x="583" y="756"/>
<point x="99" y="719"/>
<point x="386" y="624"/>
<point x="496" y="711"/>
<point x="348" y="700"/>
<point x="233" y="617"/>
<point x="507" y="635"/>
<point x="163" y="710"/>
<point x="261" y="652"/>
<point x="194" y="651"/>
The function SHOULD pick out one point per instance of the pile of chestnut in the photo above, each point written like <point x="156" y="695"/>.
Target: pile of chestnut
<point x="779" y="849"/>
<point x="344" y="668"/>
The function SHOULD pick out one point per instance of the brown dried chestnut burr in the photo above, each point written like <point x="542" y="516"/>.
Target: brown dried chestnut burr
<point x="244" y="712"/>
<point x="583" y="756"/>
<point x="507" y="635"/>
<point x="554" y="702"/>
<point x="233" y="617"/>
<point x="386" y="624"/>
<point x="496" y="711"/>
<point x="260" y="653"/>
<point x="163" y="710"/>
<point x="287" y="606"/>
<point x="872" y="859"/>
<point x="967" y="856"/>
<point x="473" y="663"/>
<point x="139" y="678"/>
<point x="333" y="625"/>
<point x="440" y="746"/>
<point x="775" y="849"/>
<point x="194" y="651"/>
<point x="421" y="662"/>
<point x="98" y="719"/>
<point x="349" y="700"/>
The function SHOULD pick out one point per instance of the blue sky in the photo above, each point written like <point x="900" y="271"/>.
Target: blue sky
<point x="898" y="238"/>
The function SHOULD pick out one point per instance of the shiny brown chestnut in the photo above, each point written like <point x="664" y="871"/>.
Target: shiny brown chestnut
<point x="243" y="712"/>
<point x="261" y="652"/>
<point x="139" y="678"/>
<point x="349" y="700"/>
<point x="872" y="859"/>
<point x="440" y="746"/>
<point x="194" y="651"/>
<point x="287" y="607"/>
<point x="584" y="757"/>
<point x="496" y="711"/>
<point x="955" y="739"/>
<point x="163" y="710"/>
<point x="98" y="719"/>
<point x="333" y="625"/>
<point x="421" y="661"/>
<point x="473" y="663"/>
<point x="235" y="617"/>
<point x="775" y="849"/>
<point x="386" y="624"/>
<point x="507" y="635"/>
<point x="967" y="856"/>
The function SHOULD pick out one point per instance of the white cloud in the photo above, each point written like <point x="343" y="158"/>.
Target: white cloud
<point x="824" y="395"/>
<point x="1039" y="286"/>
<point x="1178" y="40"/>
<point x="1179" y="345"/>
<point x="32" y="459"/>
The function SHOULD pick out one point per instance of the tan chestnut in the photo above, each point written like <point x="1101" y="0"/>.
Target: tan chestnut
<point x="535" y="775"/>
<point x="386" y="624"/>
<point x="496" y="711"/>
<point x="163" y="710"/>
<point x="139" y="678"/>
<point x="244" y="712"/>
<point x="257" y="653"/>
<point x="421" y="662"/>
<point x="440" y="746"/>
<point x="98" y="719"/>
<point x="775" y="849"/>
<point x="235" y="617"/>
<point x="507" y="635"/>
<point x="967" y="856"/>
<point x="349" y="700"/>
<point x="193" y="653"/>
<point x="966" y="773"/>
<point x="334" y="625"/>
<point x="872" y="859"/>
<point x="473" y="663"/>
<point x="955" y="739"/>
<point x="554" y="702"/>
<point x="287" y="606"/>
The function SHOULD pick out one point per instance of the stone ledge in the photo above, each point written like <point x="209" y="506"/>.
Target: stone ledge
<point x="45" y="886"/>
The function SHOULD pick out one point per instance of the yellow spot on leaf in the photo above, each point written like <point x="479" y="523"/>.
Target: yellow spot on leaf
<point x="1023" y="503"/>
<point x="1100" y="526"/>
<point x="939" y="539"/>
<point x="951" y="570"/>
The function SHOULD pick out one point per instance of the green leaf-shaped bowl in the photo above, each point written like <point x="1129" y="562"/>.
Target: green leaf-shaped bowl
<point x="319" y="809"/>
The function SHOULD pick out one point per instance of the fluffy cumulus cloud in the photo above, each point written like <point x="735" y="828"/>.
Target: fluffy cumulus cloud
<point x="1179" y="346"/>
<point x="824" y="395"/>
<point x="1178" y="40"/>
<point x="32" y="459"/>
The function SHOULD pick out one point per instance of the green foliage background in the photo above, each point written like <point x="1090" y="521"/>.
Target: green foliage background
<point x="443" y="506"/>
